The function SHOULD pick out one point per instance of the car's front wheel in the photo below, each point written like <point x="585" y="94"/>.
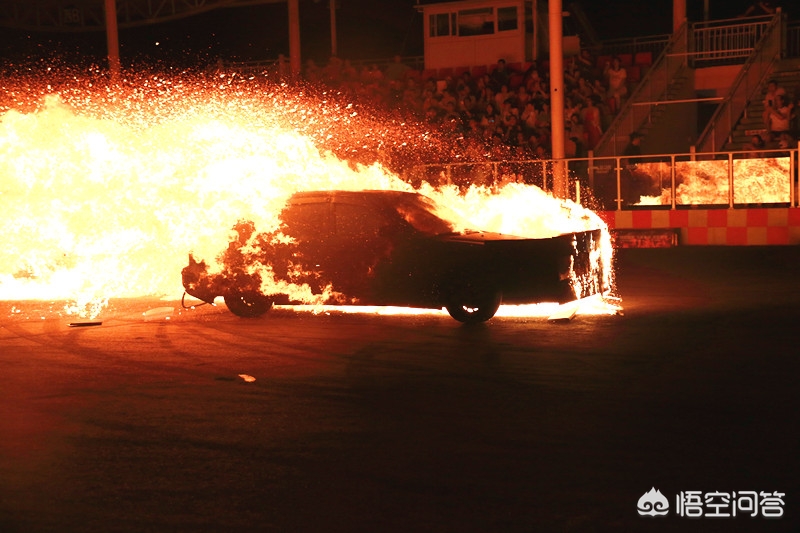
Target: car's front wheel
<point x="471" y="303"/>
<point x="248" y="304"/>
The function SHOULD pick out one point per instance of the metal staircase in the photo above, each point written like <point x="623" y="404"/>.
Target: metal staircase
<point x="747" y="88"/>
<point x="641" y="109"/>
<point x="787" y="74"/>
<point x="755" y="42"/>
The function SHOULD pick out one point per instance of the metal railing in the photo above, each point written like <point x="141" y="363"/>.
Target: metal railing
<point x="654" y="44"/>
<point x="744" y="88"/>
<point x="727" y="41"/>
<point x="665" y="181"/>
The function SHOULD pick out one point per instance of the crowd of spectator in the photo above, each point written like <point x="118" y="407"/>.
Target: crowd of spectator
<point x="504" y="108"/>
<point x="505" y="111"/>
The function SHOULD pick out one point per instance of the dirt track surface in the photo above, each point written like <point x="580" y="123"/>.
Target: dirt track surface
<point x="396" y="423"/>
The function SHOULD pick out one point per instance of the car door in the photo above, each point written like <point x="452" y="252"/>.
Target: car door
<point x="361" y="243"/>
<point x="309" y="223"/>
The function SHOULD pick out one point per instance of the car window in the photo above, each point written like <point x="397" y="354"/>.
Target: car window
<point x="359" y="222"/>
<point x="308" y="221"/>
<point x="418" y="213"/>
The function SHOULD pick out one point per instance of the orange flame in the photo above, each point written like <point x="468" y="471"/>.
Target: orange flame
<point x="762" y="180"/>
<point x="104" y="193"/>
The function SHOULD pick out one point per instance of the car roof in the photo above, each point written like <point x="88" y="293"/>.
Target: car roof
<point x="365" y="195"/>
<point x="367" y="192"/>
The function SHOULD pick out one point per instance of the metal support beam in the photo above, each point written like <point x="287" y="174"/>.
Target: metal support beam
<point x="295" y="64"/>
<point x="112" y="38"/>
<point x="557" y="131"/>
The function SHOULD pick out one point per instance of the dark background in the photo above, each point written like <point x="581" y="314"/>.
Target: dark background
<point x="366" y="29"/>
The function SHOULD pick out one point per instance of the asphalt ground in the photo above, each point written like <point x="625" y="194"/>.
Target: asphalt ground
<point x="413" y="423"/>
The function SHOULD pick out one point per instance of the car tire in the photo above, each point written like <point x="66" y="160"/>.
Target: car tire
<point x="473" y="302"/>
<point x="249" y="304"/>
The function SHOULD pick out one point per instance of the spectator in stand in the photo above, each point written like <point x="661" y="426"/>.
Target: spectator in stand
<point x="633" y="150"/>
<point x="785" y="140"/>
<point x="571" y="73"/>
<point x="513" y="129"/>
<point x="780" y="115"/>
<point x="501" y="96"/>
<point x="529" y="117"/>
<point x="544" y="118"/>
<point x="585" y="63"/>
<point x="348" y="72"/>
<point x="523" y="97"/>
<point x="396" y="70"/>
<point x="540" y="152"/>
<point x="756" y="146"/>
<point x="312" y="72"/>
<point x="575" y="130"/>
<point x="375" y="74"/>
<point x="510" y="114"/>
<point x="770" y="97"/>
<point x="536" y="87"/>
<point x="584" y="89"/>
<point x="332" y="71"/>
<point x="795" y="117"/>
<point x="572" y="104"/>
<point x="412" y="96"/>
<point x="465" y="82"/>
<point x="617" y="79"/>
<point x="500" y="76"/>
<point x="592" y="122"/>
<point x="490" y="116"/>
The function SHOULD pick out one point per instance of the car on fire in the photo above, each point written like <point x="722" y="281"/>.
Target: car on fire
<point x="390" y="248"/>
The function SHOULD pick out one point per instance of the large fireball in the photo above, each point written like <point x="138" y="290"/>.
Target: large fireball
<point x="104" y="192"/>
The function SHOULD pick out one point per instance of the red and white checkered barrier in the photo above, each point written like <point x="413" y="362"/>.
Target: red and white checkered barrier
<point x="733" y="227"/>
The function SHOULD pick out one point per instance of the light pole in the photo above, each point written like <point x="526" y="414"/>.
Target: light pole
<point x="294" y="39"/>
<point x="557" y="134"/>
<point x="112" y="38"/>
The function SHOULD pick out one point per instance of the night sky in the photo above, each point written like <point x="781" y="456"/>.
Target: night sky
<point x="367" y="29"/>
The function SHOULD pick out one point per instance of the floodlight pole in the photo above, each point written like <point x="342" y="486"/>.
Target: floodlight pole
<point x="557" y="132"/>
<point x="112" y="38"/>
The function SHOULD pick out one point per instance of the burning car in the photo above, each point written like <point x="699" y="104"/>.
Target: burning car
<point x="390" y="248"/>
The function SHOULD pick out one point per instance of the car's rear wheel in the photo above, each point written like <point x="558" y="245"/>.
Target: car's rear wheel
<point x="473" y="302"/>
<point x="248" y="304"/>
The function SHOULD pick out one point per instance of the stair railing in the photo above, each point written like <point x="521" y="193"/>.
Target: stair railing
<point x="653" y="87"/>
<point x="744" y="89"/>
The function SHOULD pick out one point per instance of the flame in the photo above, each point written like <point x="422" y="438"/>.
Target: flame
<point x="762" y="180"/>
<point x="105" y="192"/>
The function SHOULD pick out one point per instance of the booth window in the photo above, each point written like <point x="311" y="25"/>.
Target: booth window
<point x="442" y="24"/>
<point x="506" y="18"/>
<point x="478" y="21"/>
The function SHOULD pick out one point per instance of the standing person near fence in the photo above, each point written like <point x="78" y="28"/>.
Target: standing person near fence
<point x="617" y="78"/>
<point x="633" y="149"/>
<point x="592" y="122"/>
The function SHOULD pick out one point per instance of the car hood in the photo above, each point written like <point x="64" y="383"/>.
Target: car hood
<point x="477" y="237"/>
